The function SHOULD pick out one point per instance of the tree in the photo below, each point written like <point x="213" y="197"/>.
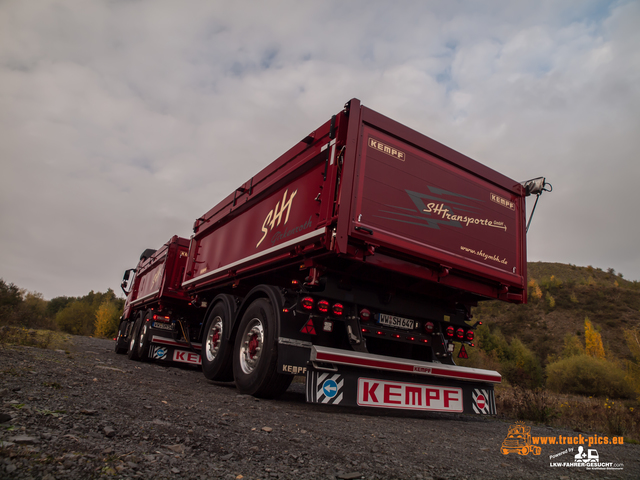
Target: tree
<point x="592" y="340"/>
<point x="56" y="304"/>
<point x="76" y="318"/>
<point x="572" y="346"/>
<point x="108" y="318"/>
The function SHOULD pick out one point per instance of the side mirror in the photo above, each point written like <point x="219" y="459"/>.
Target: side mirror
<point x="126" y="280"/>
<point x="127" y="274"/>
<point x="536" y="186"/>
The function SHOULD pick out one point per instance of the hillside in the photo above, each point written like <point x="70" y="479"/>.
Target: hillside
<point x="560" y="297"/>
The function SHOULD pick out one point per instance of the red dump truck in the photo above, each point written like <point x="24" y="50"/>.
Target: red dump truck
<point x="354" y="259"/>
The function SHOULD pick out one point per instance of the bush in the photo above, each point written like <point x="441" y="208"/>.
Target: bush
<point x="586" y="375"/>
<point x="521" y="367"/>
<point x="633" y="366"/>
<point x="517" y="363"/>
<point x="572" y="346"/>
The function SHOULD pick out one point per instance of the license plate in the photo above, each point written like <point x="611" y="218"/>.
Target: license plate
<point x="163" y="326"/>
<point x="397" y="322"/>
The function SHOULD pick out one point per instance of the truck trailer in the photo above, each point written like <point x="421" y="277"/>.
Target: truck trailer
<point x="353" y="259"/>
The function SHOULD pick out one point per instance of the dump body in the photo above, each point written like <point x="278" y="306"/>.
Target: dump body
<point x="365" y="189"/>
<point x="158" y="278"/>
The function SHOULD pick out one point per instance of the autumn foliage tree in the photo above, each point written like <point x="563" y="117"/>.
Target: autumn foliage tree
<point x="108" y="318"/>
<point x="593" y="340"/>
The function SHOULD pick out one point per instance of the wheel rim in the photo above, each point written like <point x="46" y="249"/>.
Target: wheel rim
<point x="142" y="335"/>
<point x="214" y="339"/>
<point x="251" y="346"/>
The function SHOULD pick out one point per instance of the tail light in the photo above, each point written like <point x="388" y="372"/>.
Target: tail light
<point x="449" y="331"/>
<point x="162" y="318"/>
<point x="470" y="335"/>
<point x="323" y="306"/>
<point x="365" y="315"/>
<point x="338" y="308"/>
<point x="429" y="327"/>
<point x="460" y="333"/>
<point x="307" y="303"/>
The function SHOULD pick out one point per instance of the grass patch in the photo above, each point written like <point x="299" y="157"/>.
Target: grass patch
<point x="579" y="413"/>
<point x="34" y="338"/>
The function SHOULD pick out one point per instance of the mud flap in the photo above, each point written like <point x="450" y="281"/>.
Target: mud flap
<point x="379" y="389"/>
<point x="169" y="350"/>
<point x="293" y="356"/>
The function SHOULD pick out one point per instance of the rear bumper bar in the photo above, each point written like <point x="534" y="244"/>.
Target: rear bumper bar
<point x="392" y="364"/>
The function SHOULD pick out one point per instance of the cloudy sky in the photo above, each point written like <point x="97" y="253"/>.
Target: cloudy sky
<point x="123" y="121"/>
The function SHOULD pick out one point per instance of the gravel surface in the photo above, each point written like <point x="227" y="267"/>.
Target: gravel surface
<point x="89" y="413"/>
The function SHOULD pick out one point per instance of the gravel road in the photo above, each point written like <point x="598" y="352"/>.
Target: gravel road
<point x="90" y="413"/>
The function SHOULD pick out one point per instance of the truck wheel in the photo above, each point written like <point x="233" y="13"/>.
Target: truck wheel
<point x="144" y="340"/>
<point x="133" y="341"/>
<point x="121" y="341"/>
<point x="217" y="352"/>
<point x="255" y="355"/>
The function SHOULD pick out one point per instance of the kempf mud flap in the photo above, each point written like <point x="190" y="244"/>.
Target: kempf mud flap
<point x="170" y="350"/>
<point x="339" y="377"/>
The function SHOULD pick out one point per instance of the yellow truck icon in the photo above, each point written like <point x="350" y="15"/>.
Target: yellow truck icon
<point x="519" y="441"/>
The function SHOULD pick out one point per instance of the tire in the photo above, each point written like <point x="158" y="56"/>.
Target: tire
<point x="255" y="355"/>
<point x="144" y="338"/>
<point x="132" y="353"/>
<point x="121" y="341"/>
<point x="217" y="351"/>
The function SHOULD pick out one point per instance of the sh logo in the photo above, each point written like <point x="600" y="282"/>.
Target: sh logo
<point x="274" y="217"/>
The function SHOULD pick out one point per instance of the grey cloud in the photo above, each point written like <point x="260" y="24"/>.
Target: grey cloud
<point x="122" y="122"/>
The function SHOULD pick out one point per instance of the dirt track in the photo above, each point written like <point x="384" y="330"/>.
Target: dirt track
<point x="95" y="414"/>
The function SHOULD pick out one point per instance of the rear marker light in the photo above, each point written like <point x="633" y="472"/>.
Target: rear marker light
<point x="323" y="306"/>
<point x="425" y="340"/>
<point x="460" y="333"/>
<point x="380" y="333"/>
<point x="411" y="338"/>
<point x="365" y="330"/>
<point x="365" y="315"/>
<point x="429" y="327"/>
<point x="395" y="335"/>
<point x="469" y="335"/>
<point x="449" y="331"/>
<point x="338" y="308"/>
<point x="307" y="303"/>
